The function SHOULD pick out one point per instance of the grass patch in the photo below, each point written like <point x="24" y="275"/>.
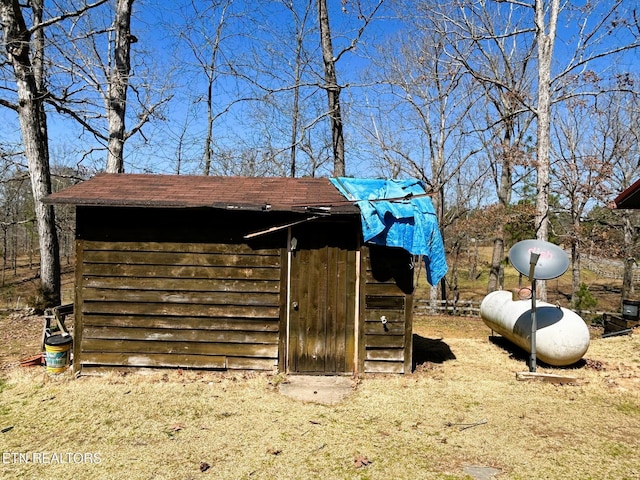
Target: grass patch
<point x="629" y="407"/>
<point x="464" y="408"/>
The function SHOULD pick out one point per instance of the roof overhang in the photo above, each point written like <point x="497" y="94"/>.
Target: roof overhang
<point x="629" y="198"/>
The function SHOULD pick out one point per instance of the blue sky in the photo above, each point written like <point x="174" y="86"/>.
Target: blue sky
<point x="156" y="25"/>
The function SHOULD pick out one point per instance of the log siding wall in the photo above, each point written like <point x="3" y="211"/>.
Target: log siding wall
<point x="152" y="304"/>
<point x="388" y="295"/>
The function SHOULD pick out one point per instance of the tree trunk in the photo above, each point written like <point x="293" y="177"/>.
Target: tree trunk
<point x="118" y="85"/>
<point x="333" y="90"/>
<point x="32" y="119"/>
<point x="496" y="262"/>
<point x="295" y="114"/>
<point x="575" y="264"/>
<point x="629" y="258"/>
<point x="545" y="36"/>
<point x="5" y="244"/>
<point x="208" y="141"/>
<point x="504" y="197"/>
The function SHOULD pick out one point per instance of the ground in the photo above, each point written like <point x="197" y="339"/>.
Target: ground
<point x="461" y="414"/>
<point x="20" y="337"/>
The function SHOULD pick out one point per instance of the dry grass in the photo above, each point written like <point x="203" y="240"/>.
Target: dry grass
<point x="170" y="425"/>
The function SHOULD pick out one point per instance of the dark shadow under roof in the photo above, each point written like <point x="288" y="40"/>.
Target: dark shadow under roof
<point x="191" y="191"/>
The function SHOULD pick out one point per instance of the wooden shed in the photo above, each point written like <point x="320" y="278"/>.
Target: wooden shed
<point x="233" y="273"/>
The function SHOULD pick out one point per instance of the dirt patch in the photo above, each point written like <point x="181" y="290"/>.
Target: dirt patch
<point x="20" y="337"/>
<point x="327" y="390"/>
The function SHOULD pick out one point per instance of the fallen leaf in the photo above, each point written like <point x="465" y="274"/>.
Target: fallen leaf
<point x="361" y="461"/>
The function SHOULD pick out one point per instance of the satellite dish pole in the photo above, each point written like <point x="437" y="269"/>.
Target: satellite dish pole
<point x="533" y="261"/>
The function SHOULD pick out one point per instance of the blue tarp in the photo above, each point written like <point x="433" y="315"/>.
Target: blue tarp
<point x="408" y="221"/>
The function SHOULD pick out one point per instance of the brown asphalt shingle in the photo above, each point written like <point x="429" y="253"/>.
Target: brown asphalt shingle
<point x="185" y="191"/>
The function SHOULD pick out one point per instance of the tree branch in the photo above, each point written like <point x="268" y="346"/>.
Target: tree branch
<point x="355" y="41"/>
<point x="58" y="104"/>
<point x="6" y="103"/>
<point x="66" y="15"/>
<point x="144" y="117"/>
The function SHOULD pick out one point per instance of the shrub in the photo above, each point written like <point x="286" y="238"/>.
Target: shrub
<point x="583" y="300"/>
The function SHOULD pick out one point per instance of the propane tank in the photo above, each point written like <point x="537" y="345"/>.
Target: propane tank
<point x="562" y="336"/>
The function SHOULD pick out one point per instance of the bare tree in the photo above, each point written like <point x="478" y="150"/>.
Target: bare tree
<point x="487" y="44"/>
<point x="24" y="48"/>
<point x="118" y="85"/>
<point x="332" y="88"/>
<point x="207" y="52"/>
<point x="16" y="212"/>
<point x="300" y="22"/>
<point x="589" y="48"/>
<point x="421" y="133"/>
<point x="331" y="85"/>
<point x="558" y="78"/>
<point x="291" y="106"/>
<point x="90" y="57"/>
<point x="211" y="32"/>
<point x="618" y="127"/>
<point x="581" y="169"/>
<point x="546" y="22"/>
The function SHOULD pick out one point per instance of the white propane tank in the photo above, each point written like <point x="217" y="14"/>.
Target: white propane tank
<point x="562" y="338"/>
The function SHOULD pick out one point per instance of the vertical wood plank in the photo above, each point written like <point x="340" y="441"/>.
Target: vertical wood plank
<point x="325" y="293"/>
<point x="408" y="334"/>
<point x="78" y="308"/>
<point x="351" y="298"/>
<point x="284" y="296"/>
<point x="332" y="329"/>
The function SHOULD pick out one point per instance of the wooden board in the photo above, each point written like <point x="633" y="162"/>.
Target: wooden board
<point x="323" y="296"/>
<point x="388" y="296"/>
<point x="616" y="323"/>
<point x="189" y="305"/>
<point x="545" y="377"/>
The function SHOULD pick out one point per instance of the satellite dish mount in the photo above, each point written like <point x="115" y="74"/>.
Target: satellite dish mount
<point x="539" y="260"/>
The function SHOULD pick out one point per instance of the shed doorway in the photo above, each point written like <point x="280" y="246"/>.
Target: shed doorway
<point x="323" y="296"/>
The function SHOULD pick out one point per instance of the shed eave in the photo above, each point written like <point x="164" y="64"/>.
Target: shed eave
<point x="629" y="198"/>
<point x="120" y="203"/>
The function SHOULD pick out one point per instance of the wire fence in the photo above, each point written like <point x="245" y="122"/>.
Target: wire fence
<point x="471" y="308"/>
<point x="613" y="270"/>
<point x="463" y="308"/>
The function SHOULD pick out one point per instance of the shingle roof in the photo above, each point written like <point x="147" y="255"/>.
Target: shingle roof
<point x="186" y="191"/>
<point x="629" y="198"/>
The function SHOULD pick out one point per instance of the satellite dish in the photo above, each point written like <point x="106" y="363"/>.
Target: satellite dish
<point x="539" y="260"/>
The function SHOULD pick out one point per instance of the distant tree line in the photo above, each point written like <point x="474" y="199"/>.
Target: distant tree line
<point x="18" y="235"/>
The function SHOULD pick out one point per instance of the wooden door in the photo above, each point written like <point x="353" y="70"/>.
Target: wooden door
<point x="323" y="296"/>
